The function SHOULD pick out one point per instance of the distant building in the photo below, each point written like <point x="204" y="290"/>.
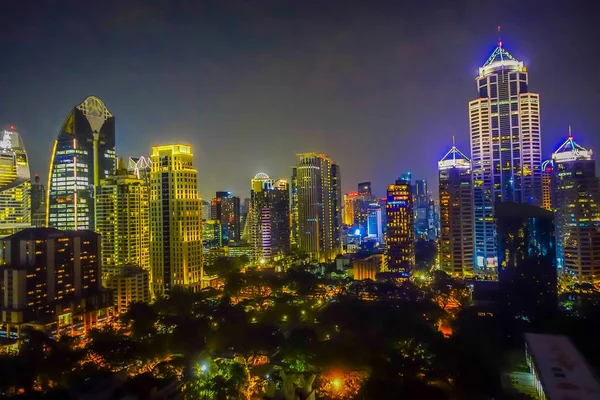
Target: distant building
<point x="51" y="282"/>
<point x="547" y="183"/>
<point x="368" y="268"/>
<point x="526" y="246"/>
<point x="269" y="217"/>
<point x="206" y="210"/>
<point x="504" y="124"/>
<point x="374" y="222"/>
<point x="349" y="208"/>
<point x="129" y="284"/>
<point x="400" y="237"/>
<point x="316" y="206"/>
<point x="577" y="202"/>
<point x="364" y="189"/>
<point x="83" y="154"/>
<point x="122" y="218"/>
<point x="212" y="234"/>
<point x="175" y="220"/>
<point x="226" y="208"/>
<point x="456" y="214"/>
<point x="38" y="203"/>
<point x="15" y="184"/>
<point x="559" y="371"/>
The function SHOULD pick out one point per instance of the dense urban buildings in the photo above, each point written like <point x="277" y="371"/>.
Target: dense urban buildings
<point x="505" y="136"/>
<point x="83" y="154"/>
<point x="456" y="214"/>
<point x="51" y="281"/>
<point x="122" y="219"/>
<point x="226" y="208"/>
<point x="315" y="195"/>
<point x="269" y="217"/>
<point x="577" y="202"/>
<point x="400" y="238"/>
<point x="175" y="220"/>
<point x="15" y="184"/>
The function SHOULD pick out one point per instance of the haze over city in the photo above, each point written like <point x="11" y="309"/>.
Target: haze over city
<point x="380" y="87"/>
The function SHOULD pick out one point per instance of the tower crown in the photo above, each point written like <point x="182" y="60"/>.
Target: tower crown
<point x="499" y="59"/>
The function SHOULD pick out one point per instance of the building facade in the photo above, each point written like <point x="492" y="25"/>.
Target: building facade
<point x="15" y="184"/>
<point x="226" y="208"/>
<point x="547" y="183"/>
<point x="316" y="192"/>
<point x="456" y="214"/>
<point x="38" y="203"/>
<point x="83" y="154"/>
<point x="175" y="220"/>
<point x="577" y="203"/>
<point x="122" y="218"/>
<point x="52" y="282"/>
<point x="504" y="123"/>
<point x="400" y="238"/>
<point x="129" y="284"/>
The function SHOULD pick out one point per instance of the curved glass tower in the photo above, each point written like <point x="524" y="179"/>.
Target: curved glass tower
<point x="83" y="153"/>
<point x="15" y="184"/>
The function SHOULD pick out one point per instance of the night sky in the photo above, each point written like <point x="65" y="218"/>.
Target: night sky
<point x="378" y="86"/>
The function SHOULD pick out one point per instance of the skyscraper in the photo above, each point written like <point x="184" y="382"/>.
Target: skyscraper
<point x="505" y="146"/>
<point x="456" y="214"/>
<point x="422" y="209"/>
<point x="83" y="154"/>
<point x="400" y="226"/>
<point x="374" y="222"/>
<point x="226" y="208"/>
<point x="15" y="184"/>
<point x="349" y="208"/>
<point x="269" y="217"/>
<point x="577" y="203"/>
<point x="547" y="183"/>
<point x="122" y="219"/>
<point x="38" y="203"/>
<point x="175" y="220"/>
<point x="336" y="206"/>
<point x="315" y="194"/>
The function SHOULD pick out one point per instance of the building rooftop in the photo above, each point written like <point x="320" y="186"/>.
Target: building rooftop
<point x="45" y="233"/>
<point x="498" y="55"/>
<point x="454" y="158"/>
<point x="571" y="151"/>
<point x="562" y="370"/>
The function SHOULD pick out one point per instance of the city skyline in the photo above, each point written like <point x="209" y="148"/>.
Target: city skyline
<point x="371" y="98"/>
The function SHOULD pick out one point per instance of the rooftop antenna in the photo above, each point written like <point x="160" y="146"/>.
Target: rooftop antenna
<point x="499" y="40"/>
<point x="570" y="133"/>
<point x="453" y="150"/>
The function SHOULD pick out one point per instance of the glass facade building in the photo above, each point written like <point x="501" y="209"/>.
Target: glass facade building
<point x="83" y="154"/>
<point x="400" y="238"/>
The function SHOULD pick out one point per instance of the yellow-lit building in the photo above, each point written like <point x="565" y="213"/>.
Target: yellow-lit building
<point x="15" y="184"/>
<point x="122" y="204"/>
<point x="547" y="178"/>
<point x="129" y="284"/>
<point x="350" y="208"/>
<point x="400" y="237"/>
<point x="175" y="220"/>
<point x="368" y="268"/>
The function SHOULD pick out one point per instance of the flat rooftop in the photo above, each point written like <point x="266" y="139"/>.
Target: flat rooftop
<point x="562" y="370"/>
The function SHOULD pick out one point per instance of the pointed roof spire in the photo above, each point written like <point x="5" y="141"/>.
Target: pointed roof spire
<point x="571" y="151"/>
<point x="454" y="158"/>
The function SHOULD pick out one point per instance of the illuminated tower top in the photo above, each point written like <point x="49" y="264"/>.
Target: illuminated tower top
<point x="571" y="151"/>
<point x="454" y="158"/>
<point x="501" y="59"/>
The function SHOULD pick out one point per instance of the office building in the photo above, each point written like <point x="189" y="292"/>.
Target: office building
<point x="226" y="208"/>
<point x="122" y="218"/>
<point x="400" y="237"/>
<point x="51" y="281"/>
<point x="315" y="196"/>
<point x="526" y="243"/>
<point x="504" y="123"/>
<point x="212" y="234"/>
<point x="349" y="208"/>
<point x="577" y="203"/>
<point x="268" y="217"/>
<point x="83" y="154"/>
<point x="456" y="214"/>
<point x="337" y="206"/>
<point x="15" y="184"/>
<point x="175" y="220"/>
<point x="375" y="223"/>
<point x="129" y="284"/>
<point x="38" y="203"/>
<point x="547" y="184"/>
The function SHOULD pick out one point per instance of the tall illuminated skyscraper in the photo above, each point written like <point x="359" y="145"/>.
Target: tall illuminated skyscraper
<point x="505" y="146"/>
<point x="456" y="214"/>
<point x="175" y="220"/>
<point x="269" y="217"/>
<point x="316" y="192"/>
<point x="226" y="208"/>
<point x="83" y="154"/>
<point x="547" y="184"/>
<point x="400" y="217"/>
<point x="577" y="203"/>
<point x="349" y="208"/>
<point x="122" y="219"/>
<point x="15" y="184"/>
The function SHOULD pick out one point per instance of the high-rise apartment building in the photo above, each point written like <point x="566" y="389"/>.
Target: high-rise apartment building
<point x="51" y="282"/>
<point x="175" y="220"/>
<point x="349" y="208"/>
<point x="122" y="218"/>
<point x="577" y="202"/>
<point x="269" y="217"/>
<point x="83" y="154"/>
<point x="505" y="136"/>
<point x="226" y="208"/>
<point x="547" y="183"/>
<point x="456" y="214"/>
<point x="337" y="206"/>
<point x="400" y="237"/>
<point x="316" y="198"/>
<point x="375" y="222"/>
<point x="15" y="184"/>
